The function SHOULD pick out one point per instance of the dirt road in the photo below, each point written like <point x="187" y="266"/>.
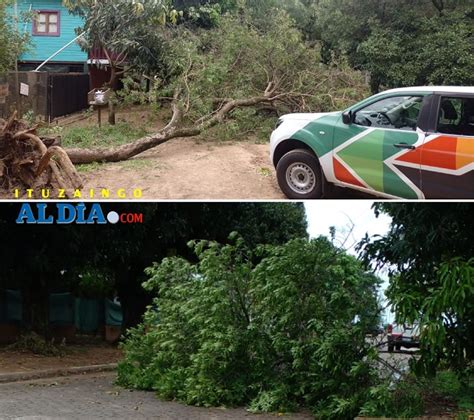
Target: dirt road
<point x="185" y="169"/>
<point x="12" y="361"/>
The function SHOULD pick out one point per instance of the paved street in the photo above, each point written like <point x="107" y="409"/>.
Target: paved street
<point x="95" y="397"/>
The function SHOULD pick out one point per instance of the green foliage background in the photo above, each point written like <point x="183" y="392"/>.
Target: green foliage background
<point x="430" y="249"/>
<point x="321" y="55"/>
<point x="12" y="41"/>
<point x="399" y="42"/>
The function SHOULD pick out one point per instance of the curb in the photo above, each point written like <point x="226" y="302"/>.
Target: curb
<point x="414" y="418"/>
<point x="53" y="373"/>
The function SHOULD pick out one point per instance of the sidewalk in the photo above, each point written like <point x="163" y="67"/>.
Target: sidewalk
<point x="94" y="396"/>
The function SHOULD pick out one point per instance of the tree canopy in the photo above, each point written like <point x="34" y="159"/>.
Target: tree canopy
<point x="400" y="43"/>
<point x="128" y="32"/>
<point x="12" y="41"/>
<point x="52" y="257"/>
<point x="430" y="250"/>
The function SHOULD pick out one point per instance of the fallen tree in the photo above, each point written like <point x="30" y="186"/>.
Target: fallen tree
<point x="171" y="131"/>
<point x="211" y="75"/>
<point x="277" y="335"/>
<point x="28" y="162"/>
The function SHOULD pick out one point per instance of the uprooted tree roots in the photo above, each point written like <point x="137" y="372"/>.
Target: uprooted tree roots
<point x="28" y="162"/>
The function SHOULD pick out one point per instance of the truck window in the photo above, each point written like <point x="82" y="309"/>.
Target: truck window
<point x="456" y="116"/>
<point x="399" y="113"/>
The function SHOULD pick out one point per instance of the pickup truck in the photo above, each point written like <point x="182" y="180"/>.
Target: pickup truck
<point x="407" y="143"/>
<point x="407" y="336"/>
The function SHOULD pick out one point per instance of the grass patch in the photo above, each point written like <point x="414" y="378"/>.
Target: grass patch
<point x="265" y="172"/>
<point x="93" y="137"/>
<point x="447" y="383"/>
<point x="137" y="164"/>
<point x="128" y="164"/>
<point x="89" y="167"/>
<point x="414" y="397"/>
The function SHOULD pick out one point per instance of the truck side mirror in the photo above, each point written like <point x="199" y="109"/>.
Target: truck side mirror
<point x="347" y="117"/>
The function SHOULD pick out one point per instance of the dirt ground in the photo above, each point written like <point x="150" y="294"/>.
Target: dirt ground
<point x="24" y="362"/>
<point x="201" y="168"/>
<point x="187" y="169"/>
<point x="182" y="169"/>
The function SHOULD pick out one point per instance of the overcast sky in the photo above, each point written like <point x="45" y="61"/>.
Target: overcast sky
<point x="343" y="215"/>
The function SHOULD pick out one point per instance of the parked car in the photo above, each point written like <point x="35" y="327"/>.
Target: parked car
<point x="407" y="336"/>
<point x="409" y="143"/>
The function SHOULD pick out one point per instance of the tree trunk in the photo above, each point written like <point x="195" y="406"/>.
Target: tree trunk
<point x="133" y="308"/>
<point x="375" y="83"/>
<point x="113" y="82"/>
<point x="171" y="131"/>
<point x="132" y="296"/>
<point x="35" y="305"/>
<point x="27" y="162"/>
<point x="127" y="151"/>
<point x="439" y="5"/>
<point x="112" y="119"/>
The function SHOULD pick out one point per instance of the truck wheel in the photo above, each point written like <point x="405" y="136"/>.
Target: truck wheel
<point x="300" y="176"/>
<point x="399" y="347"/>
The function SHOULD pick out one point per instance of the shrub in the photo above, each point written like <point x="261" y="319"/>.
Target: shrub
<point x="411" y="396"/>
<point x="404" y="401"/>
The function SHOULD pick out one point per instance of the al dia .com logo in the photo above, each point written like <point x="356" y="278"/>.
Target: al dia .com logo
<point x="67" y="214"/>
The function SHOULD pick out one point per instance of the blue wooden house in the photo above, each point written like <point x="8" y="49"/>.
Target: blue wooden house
<point x="52" y="32"/>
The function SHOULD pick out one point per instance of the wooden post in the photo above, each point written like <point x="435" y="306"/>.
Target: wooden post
<point x="98" y="103"/>
<point x="17" y="77"/>
<point x="17" y="92"/>
<point x="99" y="109"/>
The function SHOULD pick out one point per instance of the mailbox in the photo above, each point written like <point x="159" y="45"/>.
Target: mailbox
<point x="99" y="97"/>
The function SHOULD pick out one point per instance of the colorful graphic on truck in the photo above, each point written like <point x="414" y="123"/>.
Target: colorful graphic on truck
<point x="410" y="143"/>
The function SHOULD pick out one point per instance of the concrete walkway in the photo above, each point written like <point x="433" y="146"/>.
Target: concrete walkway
<point x="94" y="396"/>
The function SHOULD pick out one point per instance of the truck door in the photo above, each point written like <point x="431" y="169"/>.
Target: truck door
<point x="447" y="157"/>
<point x="370" y="158"/>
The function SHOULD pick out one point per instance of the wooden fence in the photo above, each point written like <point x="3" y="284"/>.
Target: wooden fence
<point x="45" y="95"/>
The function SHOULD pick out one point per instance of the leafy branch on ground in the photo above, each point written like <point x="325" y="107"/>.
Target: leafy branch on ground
<point x="36" y="344"/>
<point x="275" y="328"/>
